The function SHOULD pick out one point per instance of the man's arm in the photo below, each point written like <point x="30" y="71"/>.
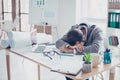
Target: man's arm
<point x="62" y="42"/>
<point x="97" y="42"/>
<point x="63" y="46"/>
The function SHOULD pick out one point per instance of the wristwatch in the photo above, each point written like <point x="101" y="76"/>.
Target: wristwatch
<point x="67" y="45"/>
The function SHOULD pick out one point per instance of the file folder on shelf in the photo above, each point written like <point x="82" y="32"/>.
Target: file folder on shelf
<point x="114" y="19"/>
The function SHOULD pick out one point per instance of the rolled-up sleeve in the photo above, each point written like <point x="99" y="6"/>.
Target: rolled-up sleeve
<point x="62" y="41"/>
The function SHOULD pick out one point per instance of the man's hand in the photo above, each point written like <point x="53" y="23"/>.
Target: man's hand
<point x="79" y="47"/>
<point x="70" y="49"/>
<point x="66" y="49"/>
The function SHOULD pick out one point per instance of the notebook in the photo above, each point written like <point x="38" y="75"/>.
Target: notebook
<point x="38" y="48"/>
<point x="43" y="48"/>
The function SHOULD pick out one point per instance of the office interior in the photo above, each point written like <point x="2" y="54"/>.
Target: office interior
<point x="51" y="19"/>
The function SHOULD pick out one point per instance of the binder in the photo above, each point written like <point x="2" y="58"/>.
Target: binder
<point x="114" y="19"/>
<point x="110" y="40"/>
<point x="109" y="18"/>
<point x="117" y="20"/>
<point x="116" y="41"/>
<point x="113" y="40"/>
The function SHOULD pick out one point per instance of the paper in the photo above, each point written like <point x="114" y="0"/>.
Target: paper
<point x="44" y="38"/>
<point x="69" y="65"/>
<point x="49" y="14"/>
<point x="20" y="39"/>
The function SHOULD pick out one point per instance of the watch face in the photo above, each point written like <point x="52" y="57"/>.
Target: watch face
<point x="66" y="46"/>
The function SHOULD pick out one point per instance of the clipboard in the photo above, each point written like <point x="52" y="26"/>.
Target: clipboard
<point x="68" y="72"/>
<point x="69" y="66"/>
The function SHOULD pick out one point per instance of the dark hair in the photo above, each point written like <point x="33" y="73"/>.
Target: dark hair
<point x="73" y="36"/>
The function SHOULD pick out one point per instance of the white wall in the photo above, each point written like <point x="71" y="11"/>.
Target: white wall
<point x="45" y="13"/>
<point x="77" y="11"/>
<point x="70" y="12"/>
<point x="0" y="7"/>
<point x="95" y="12"/>
<point x="66" y="16"/>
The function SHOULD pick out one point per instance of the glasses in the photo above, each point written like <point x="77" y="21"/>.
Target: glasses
<point x="49" y="54"/>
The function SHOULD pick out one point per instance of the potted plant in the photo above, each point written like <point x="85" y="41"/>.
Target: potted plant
<point x="87" y="66"/>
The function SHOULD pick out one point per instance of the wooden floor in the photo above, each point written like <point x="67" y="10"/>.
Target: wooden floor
<point x="22" y="69"/>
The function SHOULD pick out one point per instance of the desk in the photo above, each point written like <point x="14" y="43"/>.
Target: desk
<point x="26" y="53"/>
<point x="101" y="68"/>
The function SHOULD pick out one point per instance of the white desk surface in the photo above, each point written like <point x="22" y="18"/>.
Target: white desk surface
<point x="58" y="62"/>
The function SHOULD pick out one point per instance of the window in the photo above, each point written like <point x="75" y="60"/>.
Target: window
<point x="0" y="12"/>
<point x="9" y="9"/>
<point x="24" y="15"/>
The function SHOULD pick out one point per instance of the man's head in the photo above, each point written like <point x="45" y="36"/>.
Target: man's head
<point x="74" y="36"/>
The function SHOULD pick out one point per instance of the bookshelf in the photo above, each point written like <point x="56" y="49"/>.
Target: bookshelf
<point x="114" y="25"/>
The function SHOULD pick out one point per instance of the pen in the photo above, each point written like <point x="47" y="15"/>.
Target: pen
<point x="49" y="57"/>
<point x="56" y="52"/>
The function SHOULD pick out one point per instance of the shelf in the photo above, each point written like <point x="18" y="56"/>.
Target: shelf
<point x="118" y="29"/>
<point x="115" y="46"/>
<point x="114" y="28"/>
<point x="114" y="10"/>
<point x="95" y="20"/>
